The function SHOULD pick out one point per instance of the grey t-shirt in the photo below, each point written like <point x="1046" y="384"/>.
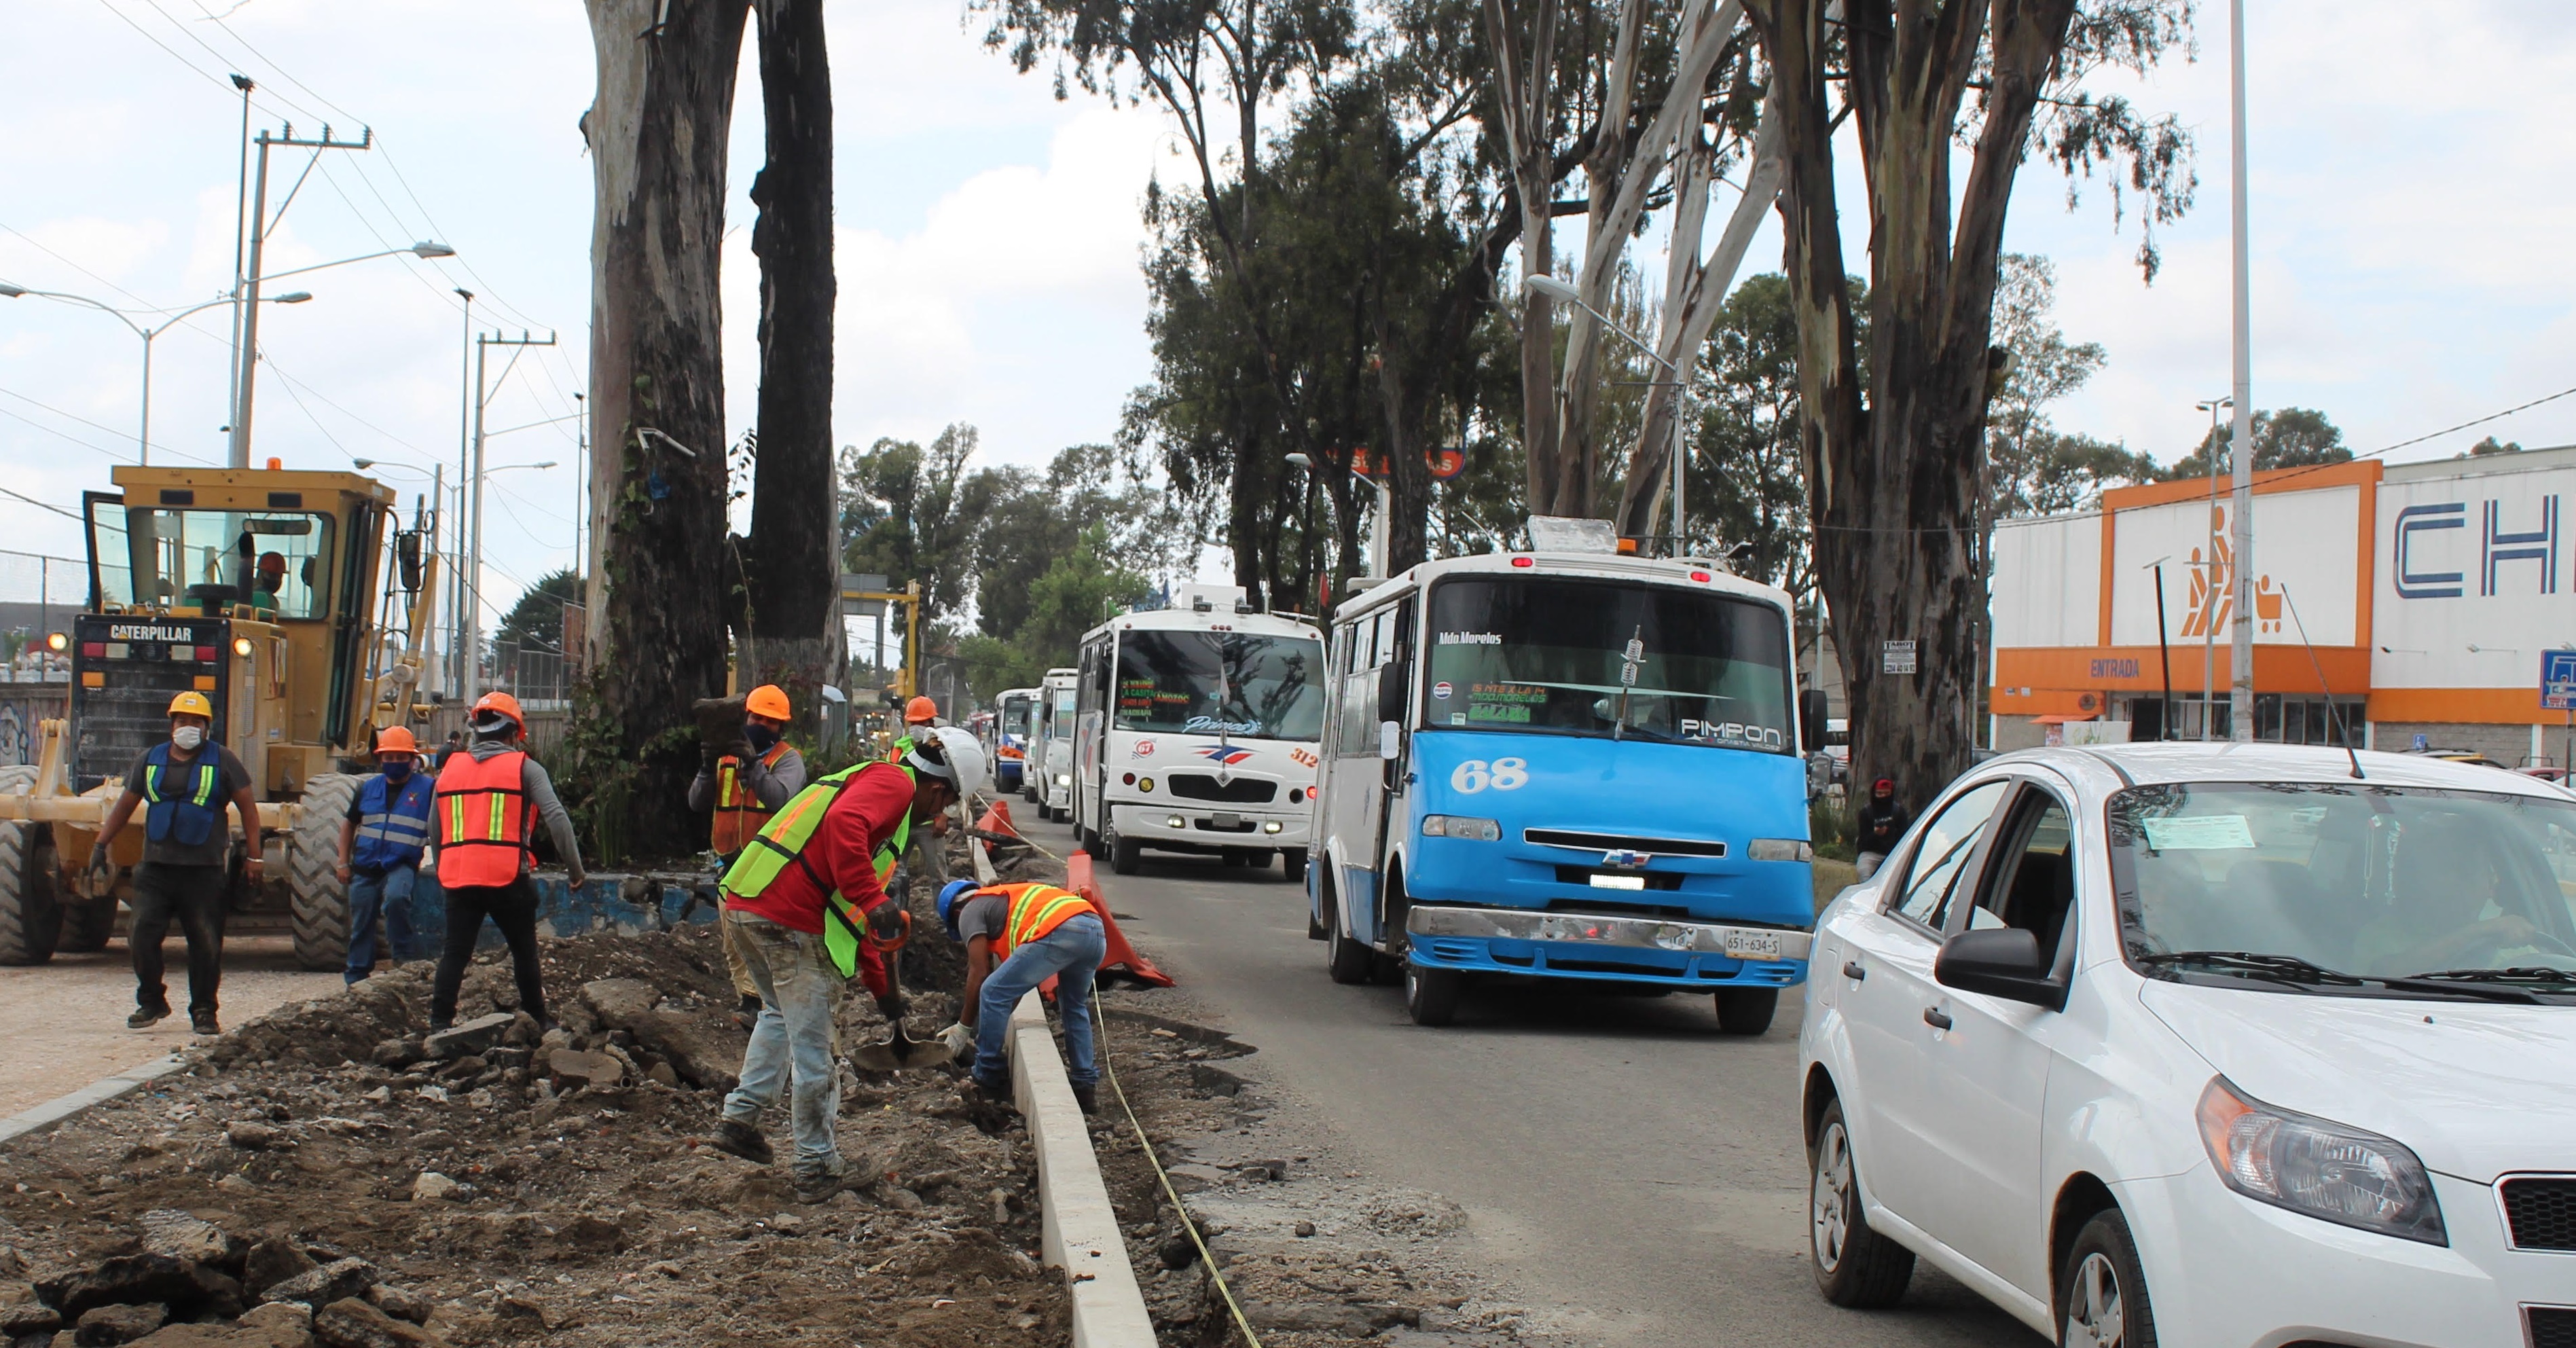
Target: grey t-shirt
<point x="984" y="915"/>
<point x="233" y="779"/>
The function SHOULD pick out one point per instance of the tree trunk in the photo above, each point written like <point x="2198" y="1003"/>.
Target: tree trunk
<point x="1892" y="478"/>
<point x="794" y="572"/>
<point x="1522" y="76"/>
<point x="657" y="133"/>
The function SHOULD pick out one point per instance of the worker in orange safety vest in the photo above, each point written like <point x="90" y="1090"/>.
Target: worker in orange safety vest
<point x="1016" y="937"/>
<point x="485" y="815"/>
<point x="741" y="788"/>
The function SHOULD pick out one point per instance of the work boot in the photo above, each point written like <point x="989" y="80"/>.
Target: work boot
<point x="147" y="1016"/>
<point x="736" y="1138"/>
<point x="997" y="1092"/>
<point x="203" y="1022"/>
<point x="821" y="1186"/>
<point x="1087" y="1095"/>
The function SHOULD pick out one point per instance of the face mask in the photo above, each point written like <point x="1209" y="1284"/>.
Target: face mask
<point x="761" y="736"/>
<point x="188" y="737"/>
<point x="397" y="770"/>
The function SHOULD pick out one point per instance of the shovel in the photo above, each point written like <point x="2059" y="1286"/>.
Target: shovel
<point x="900" y="1051"/>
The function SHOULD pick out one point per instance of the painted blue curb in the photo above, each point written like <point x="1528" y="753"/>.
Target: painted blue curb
<point x="565" y="911"/>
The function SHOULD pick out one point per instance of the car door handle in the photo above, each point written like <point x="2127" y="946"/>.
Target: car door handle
<point x="1936" y="1018"/>
<point x="1853" y="971"/>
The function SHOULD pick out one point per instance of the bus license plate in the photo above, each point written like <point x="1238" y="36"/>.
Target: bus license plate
<point x="1753" y="945"/>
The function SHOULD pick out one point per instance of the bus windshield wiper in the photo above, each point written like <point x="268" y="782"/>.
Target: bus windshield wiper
<point x="2286" y="968"/>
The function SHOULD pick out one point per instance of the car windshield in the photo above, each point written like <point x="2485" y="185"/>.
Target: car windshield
<point x="2348" y="879"/>
<point x="1564" y="656"/>
<point x="1221" y="683"/>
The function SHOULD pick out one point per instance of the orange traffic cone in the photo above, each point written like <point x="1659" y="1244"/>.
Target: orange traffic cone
<point x="1121" y="961"/>
<point x="997" y="820"/>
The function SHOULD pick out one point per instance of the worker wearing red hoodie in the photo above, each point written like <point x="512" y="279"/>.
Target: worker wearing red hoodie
<point x="805" y="909"/>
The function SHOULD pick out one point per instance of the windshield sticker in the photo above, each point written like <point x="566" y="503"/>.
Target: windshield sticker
<point x="1525" y="694"/>
<point x="1442" y="690"/>
<point x="1733" y="732"/>
<point x="1457" y="718"/>
<point x="1210" y="725"/>
<point x="1490" y="712"/>
<point x="2199" y="833"/>
<point x="1471" y="638"/>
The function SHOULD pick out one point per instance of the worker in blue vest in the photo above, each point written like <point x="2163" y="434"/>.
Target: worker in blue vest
<point x="381" y="841"/>
<point x="182" y="785"/>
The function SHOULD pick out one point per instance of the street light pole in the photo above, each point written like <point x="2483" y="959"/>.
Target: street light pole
<point x="474" y="560"/>
<point x="2240" y="694"/>
<point x="143" y="435"/>
<point x="464" y="472"/>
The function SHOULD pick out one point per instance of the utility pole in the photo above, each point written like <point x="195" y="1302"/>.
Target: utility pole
<point x="474" y="561"/>
<point x="2210" y="577"/>
<point x="2240" y="693"/>
<point x="464" y="472"/>
<point x="241" y="237"/>
<point x="246" y="361"/>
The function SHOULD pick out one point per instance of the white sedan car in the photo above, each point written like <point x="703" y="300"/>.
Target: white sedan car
<point x="2210" y="1045"/>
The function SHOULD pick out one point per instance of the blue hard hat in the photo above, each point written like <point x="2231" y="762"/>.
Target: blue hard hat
<point x="949" y="894"/>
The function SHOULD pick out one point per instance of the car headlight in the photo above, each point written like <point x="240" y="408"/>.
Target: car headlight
<point x="2330" y="1171"/>
<point x="1779" y="849"/>
<point x="1461" y="826"/>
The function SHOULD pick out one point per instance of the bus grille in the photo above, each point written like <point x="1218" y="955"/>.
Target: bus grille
<point x="1240" y="791"/>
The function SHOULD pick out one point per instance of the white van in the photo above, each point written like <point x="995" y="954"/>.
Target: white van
<point x="1199" y="730"/>
<point x="1049" y="777"/>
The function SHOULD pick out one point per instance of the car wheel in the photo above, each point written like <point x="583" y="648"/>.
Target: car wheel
<point x="1854" y="1266"/>
<point x="1746" y="1011"/>
<point x="1431" y="995"/>
<point x="2101" y="1292"/>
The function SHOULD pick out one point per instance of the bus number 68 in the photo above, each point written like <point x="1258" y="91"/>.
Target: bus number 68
<point x="1505" y="774"/>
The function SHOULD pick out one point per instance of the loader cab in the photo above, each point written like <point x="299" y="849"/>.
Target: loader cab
<point x="251" y="586"/>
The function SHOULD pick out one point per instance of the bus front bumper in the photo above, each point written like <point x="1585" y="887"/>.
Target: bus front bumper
<point x="1660" y="951"/>
<point x="1202" y="827"/>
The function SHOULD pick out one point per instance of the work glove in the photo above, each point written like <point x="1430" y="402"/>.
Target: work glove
<point x="740" y="751"/>
<point x="889" y="924"/>
<point x="706" y="757"/>
<point x="101" y="870"/>
<point x="959" y="1039"/>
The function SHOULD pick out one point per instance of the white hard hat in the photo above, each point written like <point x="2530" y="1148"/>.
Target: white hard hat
<point x="964" y="766"/>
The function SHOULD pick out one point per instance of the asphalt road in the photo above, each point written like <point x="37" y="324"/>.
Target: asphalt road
<point x="1636" y="1174"/>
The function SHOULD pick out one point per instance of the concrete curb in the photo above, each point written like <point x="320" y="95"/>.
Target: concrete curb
<point x="88" y="1097"/>
<point x="1082" y="1235"/>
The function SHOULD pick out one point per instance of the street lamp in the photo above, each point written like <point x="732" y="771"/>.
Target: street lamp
<point x="250" y="332"/>
<point x="1559" y="290"/>
<point x="143" y="437"/>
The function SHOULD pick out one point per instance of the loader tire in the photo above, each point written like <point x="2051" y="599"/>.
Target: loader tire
<point x="312" y="858"/>
<point x="30" y="920"/>
<point x="86" y="926"/>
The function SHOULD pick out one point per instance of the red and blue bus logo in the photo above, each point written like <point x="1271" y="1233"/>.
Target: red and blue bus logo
<point x="1225" y="754"/>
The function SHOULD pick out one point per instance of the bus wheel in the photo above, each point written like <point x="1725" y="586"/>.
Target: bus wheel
<point x="1746" y="1010"/>
<point x="1293" y="861"/>
<point x="1346" y="960"/>
<point x="29" y="918"/>
<point x="1233" y="858"/>
<point x="1124" y="853"/>
<point x="1431" y="995"/>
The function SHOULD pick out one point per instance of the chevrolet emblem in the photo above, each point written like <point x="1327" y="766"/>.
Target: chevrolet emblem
<point x="1623" y="860"/>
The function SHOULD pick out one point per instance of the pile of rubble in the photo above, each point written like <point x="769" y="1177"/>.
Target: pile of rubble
<point x="334" y="1174"/>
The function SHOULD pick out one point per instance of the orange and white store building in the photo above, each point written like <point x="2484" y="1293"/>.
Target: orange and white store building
<point x="2428" y="594"/>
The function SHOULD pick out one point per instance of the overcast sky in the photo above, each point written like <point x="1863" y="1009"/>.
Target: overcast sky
<point x="2411" y="189"/>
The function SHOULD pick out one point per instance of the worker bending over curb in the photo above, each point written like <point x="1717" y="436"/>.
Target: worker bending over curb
<point x="1016" y="937"/>
<point x="805" y="909"/>
<point x="186" y="781"/>
<point x="381" y="841"/>
<point x="487" y="806"/>
<point x="742" y="788"/>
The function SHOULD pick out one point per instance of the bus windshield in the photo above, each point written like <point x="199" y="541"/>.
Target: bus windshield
<point x="1221" y="683"/>
<point x="1015" y="716"/>
<point x="1567" y="656"/>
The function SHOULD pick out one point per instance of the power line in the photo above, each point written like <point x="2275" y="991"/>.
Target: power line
<point x="40" y="505"/>
<point x="73" y="416"/>
<point x="325" y="400"/>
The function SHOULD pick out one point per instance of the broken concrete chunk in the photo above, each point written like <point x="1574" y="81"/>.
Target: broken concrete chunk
<point x="182" y="1236"/>
<point x="331" y="1282"/>
<point x="400" y="1302"/>
<point x="184" y="1285"/>
<point x="591" y="1069"/>
<point x="278" y="1317"/>
<point x="432" y="1186"/>
<point x="34" y="1317"/>
<point x="702" y="1057"/>
<point x="663" y="1074"/>
<point x="472" y="1036"/>
<point x="351" y="1323"/>
<point x="273" y="1261"/>
<point x="109" y="1325"/>
<point x="397" y="1053"/>
<point x="251" y="1135"/>
<point x="620" y="1001"/>
<point x="1191" y="1177"/>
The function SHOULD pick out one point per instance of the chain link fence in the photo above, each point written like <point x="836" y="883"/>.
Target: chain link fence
<point x="38" y="596"/>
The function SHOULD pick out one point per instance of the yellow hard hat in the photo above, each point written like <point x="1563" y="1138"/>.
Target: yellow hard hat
<point x="768" y="700"/>
<point x="192" y="704"/>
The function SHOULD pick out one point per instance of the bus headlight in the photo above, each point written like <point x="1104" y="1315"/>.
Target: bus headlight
<point x="1271" y="826"/>
<point x="1779" y="849"/>
<point x="1064" y="779"/>
<point x="1177" y="822"/>
<point x="1461" y="826"/>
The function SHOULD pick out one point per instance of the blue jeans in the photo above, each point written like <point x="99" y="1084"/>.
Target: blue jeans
<point x="1073" y="952"/>
<point x="388" y="894"/>
<point x="792" y="1041"/>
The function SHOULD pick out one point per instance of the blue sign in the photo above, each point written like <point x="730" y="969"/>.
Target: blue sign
<point x="2558" y="680"/>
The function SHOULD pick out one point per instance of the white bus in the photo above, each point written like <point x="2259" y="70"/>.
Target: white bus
<point x="1014" y="727"/>
<point x="1049" y="775"/>
<point x="1199" y="730"/>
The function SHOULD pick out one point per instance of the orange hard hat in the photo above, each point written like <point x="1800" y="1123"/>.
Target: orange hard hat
<point x="395" y="740"/>
<point x="272" y="563"/>
<point x="768" y="700"/>
<point x="502" y="703"/>
<point x="920" y="709"/>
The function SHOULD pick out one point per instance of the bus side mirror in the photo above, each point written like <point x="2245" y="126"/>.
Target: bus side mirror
<point x="1813" y="709"/>
<point x="1390" y="740"/>
<point x="1390" y="689"/>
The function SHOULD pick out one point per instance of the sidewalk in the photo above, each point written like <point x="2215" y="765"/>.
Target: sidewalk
<point x="62" y="1025"/>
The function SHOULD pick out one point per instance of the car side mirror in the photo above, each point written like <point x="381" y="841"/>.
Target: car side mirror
<point x="2001" y="962"/>
<point x="1813" y="710"/>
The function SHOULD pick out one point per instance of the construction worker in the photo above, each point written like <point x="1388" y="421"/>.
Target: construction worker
<point x="743" y="789"/>
<point x="487" y="805"/>
<point x="920" y="717"/>
<point x="381" y="840"/>
<point x="270" y="578"/>
<point x="806" y="910"/>
<point x="185" y="781"/>
<point x="922" y="860"/>
<point x="1016" y="937"/>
